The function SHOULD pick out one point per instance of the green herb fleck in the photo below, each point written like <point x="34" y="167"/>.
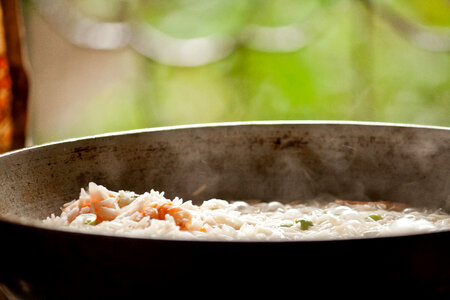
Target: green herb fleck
<point x="375" y="217"/>
<point x="304" y="224"/>
<point x="91" y="222"/>
<point x="286" y="225"/>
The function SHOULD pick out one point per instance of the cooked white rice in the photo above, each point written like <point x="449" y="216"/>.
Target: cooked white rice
<point x="217" y="219"/>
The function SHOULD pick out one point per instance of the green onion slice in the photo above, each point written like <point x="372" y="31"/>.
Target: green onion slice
<point x="304" y="224"/>
<point x="376" y="217"/>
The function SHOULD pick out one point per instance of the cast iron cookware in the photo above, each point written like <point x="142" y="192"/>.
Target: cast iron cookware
<point x="283" y="161"/>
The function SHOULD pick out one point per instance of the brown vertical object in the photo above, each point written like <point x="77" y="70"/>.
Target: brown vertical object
<point x="13" y="79"/>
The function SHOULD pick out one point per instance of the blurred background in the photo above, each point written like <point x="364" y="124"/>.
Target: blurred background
<point x="98" y="66"/>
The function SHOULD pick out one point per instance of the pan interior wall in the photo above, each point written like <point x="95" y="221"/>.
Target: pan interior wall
<point x="286" y="162"/>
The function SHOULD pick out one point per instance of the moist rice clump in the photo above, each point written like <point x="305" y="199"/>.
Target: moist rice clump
<point x="125" y="213"/>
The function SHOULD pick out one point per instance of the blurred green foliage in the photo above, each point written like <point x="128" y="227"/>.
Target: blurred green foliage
<point x="357" y="68"/>
<point x="433" y="13"/>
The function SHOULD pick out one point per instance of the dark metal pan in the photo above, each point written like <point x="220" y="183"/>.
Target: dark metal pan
<point x="235" y="161"/>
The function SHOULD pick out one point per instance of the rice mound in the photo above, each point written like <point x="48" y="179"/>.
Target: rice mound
<point x="125" y="213"/>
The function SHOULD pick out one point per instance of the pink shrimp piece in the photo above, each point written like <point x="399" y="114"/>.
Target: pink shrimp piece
<point x="159" y="211"/>
<point x="98" y="201"/>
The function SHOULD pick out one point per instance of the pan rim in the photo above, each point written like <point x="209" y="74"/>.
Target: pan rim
<point x="227" y="124"/>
